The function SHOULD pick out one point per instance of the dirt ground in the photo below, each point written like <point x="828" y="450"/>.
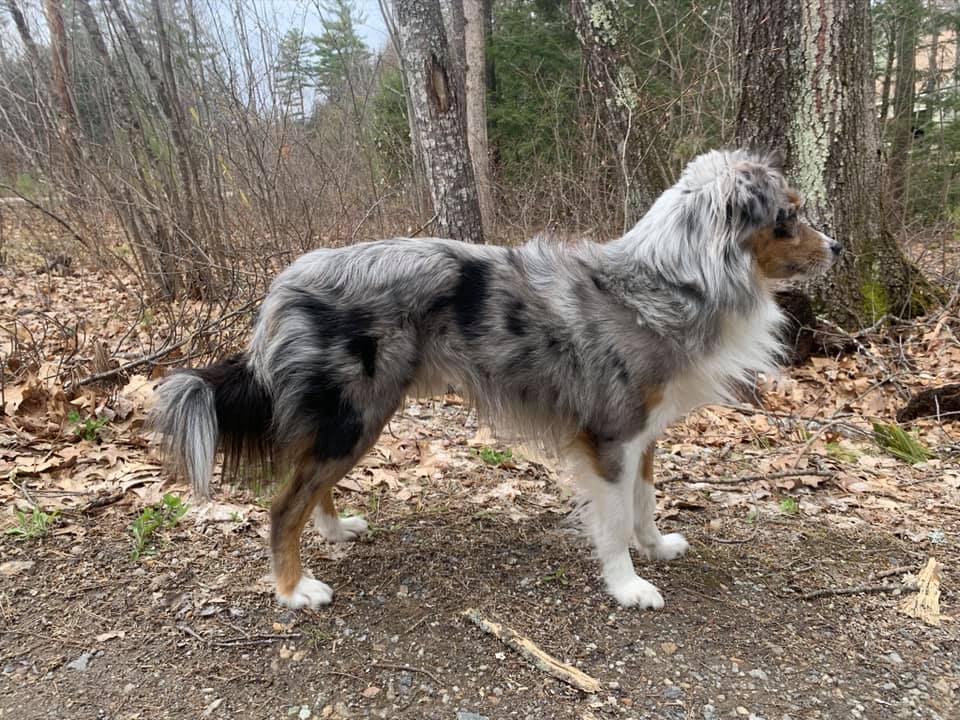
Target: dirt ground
<point x="807" y="536"/>
<point x="193" y="631"/>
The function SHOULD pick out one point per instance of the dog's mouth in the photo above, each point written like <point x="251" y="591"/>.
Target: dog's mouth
<point x="804" y="255"/>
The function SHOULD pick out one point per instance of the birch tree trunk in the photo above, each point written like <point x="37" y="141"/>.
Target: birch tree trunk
<point x="614" y="84"/>
<point x="806" y="88"/>
<point x="475" y="52"/>
<point x="439" y="118"/>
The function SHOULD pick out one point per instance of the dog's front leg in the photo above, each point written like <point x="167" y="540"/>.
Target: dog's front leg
<point x="608" y="478"/>
<point x="648" y="538"/>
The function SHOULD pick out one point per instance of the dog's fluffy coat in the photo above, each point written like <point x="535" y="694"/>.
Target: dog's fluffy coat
<point x="592" y="348"/>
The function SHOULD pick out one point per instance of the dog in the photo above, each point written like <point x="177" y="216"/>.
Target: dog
<point x="592" y="348"/>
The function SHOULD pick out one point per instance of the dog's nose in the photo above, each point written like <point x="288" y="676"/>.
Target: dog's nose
<point x="836" y="248"/>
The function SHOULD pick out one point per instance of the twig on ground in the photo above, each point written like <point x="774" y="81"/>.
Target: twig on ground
<point x="537" y="657"/>
<point x="857" y="590"/>
<point x="406" y="668"/>
<point x="192" y="633"/>
<point x="769" y="476"/>
<point x="254" y="640"/>
<point x="738" y="541"/>
<point x="104" y="501"/>
<point x="901" y="570"/>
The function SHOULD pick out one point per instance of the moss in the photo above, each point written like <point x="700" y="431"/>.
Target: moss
<point x="876" y="303"/>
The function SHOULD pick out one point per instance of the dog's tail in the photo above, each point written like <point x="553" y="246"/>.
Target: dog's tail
<point x="220" y="406"/>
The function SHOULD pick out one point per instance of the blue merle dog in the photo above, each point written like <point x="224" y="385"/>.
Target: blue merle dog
<point x="592" y="348"/>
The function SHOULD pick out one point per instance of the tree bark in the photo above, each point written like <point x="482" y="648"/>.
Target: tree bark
<point x="475" y="52"/>
<point x="806" y="88"/>
<point x="887" y="82"/>
<point x="440" y="119"/>
<point x="907" y="24"/>
<point x="614" y="84"/>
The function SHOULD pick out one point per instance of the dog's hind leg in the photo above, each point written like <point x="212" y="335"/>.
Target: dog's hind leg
<point x="607" y="473"/>
<point x="289" y="513"/>
<point x="648" y="538"/>
<point x="330" y="525"/>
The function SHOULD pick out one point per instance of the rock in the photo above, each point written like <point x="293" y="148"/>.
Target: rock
<point x="758" y="674"/>
<point x="672" y="692"/>
<point x="709" y="712"/>
<point x="371" y="692"/>
<point x="12" y="568"/>
<point x="81" y="663"/>
<point x="892" y="658"/>
<point x="668" y="648"/>
<point x="464" y="715"/>
<point x="304" y="713"/>
<point x="212" y="707"/>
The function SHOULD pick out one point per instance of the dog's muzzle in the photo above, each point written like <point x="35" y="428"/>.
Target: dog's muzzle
<point x="832" y="245"/>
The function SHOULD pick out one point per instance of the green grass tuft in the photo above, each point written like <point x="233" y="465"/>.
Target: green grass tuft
<point x="899" y="443"/>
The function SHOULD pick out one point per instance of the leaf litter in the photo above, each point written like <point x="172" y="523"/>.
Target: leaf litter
<point x="723" y="476"/>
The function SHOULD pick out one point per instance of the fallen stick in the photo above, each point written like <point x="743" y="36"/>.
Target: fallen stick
<point x="857" y="590"/>
<point x="925" y="605"/>
<point x="534" y="655"/>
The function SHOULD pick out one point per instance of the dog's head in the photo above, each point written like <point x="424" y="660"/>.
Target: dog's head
<point x="760" y="215"/>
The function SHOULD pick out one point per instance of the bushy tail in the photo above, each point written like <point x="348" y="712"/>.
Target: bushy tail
<point x="222" y="405"/>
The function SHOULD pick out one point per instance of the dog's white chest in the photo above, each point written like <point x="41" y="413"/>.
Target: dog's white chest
<point x="746" y="345"/>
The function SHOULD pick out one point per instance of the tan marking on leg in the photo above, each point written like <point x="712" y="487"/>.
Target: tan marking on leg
<point x="586" y="444"/>
<point x="646" y="463"/>
<point x="289" y="513"/>
<point x="326" y="502"/>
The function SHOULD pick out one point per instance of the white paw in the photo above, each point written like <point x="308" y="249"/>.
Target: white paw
<point x="338" y="530"/>
<point x="352" y="527"/>
<point x="669" y="547"/>
<point x="636" y="592"/>
<point x="307" y="593"/>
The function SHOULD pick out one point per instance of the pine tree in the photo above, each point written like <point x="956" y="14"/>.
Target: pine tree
<point x="339" y="56"/>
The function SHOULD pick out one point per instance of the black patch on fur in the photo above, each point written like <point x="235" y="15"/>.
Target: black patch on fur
<point x="364" y="347"/>
<point x="470" y="296"/>
<point x="597" y="282"/>
<point x="244" y="413"/>
<point x="515" y="317"/>
<point x="337" y="423"/>
<point x="350" y="326"/>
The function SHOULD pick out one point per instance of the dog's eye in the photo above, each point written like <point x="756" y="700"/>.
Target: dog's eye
<point x="783" y="228"/>
<point x="786" y="216"/>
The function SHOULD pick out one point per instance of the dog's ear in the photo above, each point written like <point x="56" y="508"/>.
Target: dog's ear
<point x="750" y="198"/>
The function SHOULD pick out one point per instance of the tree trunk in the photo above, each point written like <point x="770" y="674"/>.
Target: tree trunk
<point x="24" y="31"/>
<point x="806" y="88"/>
<point x="440" y="119"/>
<point x="60" y="89"/>
<point x="887" y="76"/>
<point x="907" y="23"/>
<point x="614" y="84"/>
<point x="475" y="47"/>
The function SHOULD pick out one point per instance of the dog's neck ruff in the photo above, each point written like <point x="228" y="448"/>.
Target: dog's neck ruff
<point x="690" y="279"/>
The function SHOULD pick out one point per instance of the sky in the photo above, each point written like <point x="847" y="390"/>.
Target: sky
<point x="305" y="15"/>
